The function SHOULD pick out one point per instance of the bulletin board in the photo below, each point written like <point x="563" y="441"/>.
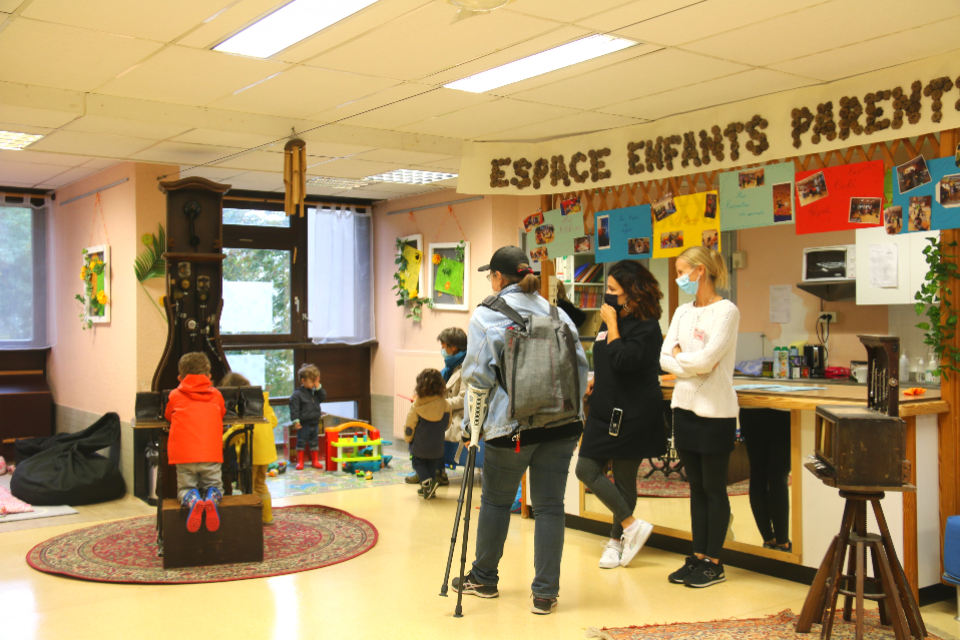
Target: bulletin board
<point x="932" y="205"/>
<point x="623" y="234"/>
<point x="557" y="233"/>
<point x="757" y="197"/>
<point x="694" y="222"/>
<point x="449" y="282"/>
<point x="843" y="198"/>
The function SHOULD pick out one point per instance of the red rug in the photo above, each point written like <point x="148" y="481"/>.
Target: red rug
<point x="303" y="538"/>
<point x="657" y="486"/>
<point x="779" y="626"/>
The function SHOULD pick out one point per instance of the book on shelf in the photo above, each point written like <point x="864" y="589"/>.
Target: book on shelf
<point x="587" y="298"/>
<point x="592" y="274"/>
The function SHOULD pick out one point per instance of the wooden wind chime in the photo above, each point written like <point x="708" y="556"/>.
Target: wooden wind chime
<point x="295" y="177"/>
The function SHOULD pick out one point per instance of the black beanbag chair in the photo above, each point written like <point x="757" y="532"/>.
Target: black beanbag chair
<point x="65" y="468"/>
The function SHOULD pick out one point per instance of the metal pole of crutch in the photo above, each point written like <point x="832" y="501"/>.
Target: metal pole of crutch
<point x="456" y="528"/>
<point x="468" y="480"/>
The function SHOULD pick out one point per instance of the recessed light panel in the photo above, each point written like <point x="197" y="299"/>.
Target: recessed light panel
<point x="289" y="25"/>
<point x="13" y="141"/>
<point x="336" y="183"/>
<point x="544" y="62"/>
<point x="408" y="176"/>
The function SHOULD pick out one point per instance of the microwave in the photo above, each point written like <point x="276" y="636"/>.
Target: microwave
<point x="830" y="263"/>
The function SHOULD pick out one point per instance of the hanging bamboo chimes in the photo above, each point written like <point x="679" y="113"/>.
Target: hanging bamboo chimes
<point x="295" y="177"/>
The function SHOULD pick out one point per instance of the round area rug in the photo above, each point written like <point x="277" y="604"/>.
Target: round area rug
<point x="303" y="538"/>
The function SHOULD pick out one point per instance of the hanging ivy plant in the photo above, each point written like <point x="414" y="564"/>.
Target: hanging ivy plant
<point x="461" y="248"/>
<point x="403" y="295"/>
<point x="942" y="322"/>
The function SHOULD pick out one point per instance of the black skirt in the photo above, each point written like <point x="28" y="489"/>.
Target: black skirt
<point x="703" y="435"/>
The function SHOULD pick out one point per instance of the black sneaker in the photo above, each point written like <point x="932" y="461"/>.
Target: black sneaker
<point x="689" y="564"/>
<point x="543" y="606"/>
<point x="428" y="488"/>
<point x="706" y="574"/>
<point x="474" y="588"/>
<point x="414" y="479"/>
<point x="775" y="547"/>
<point x="442" y="479"/>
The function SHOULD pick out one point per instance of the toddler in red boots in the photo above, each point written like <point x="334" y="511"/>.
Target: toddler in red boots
<point x="195" y="411"/>
<point x="305" y="414"/>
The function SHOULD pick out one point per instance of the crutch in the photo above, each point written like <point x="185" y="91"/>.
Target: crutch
<point x="466" y="483"/>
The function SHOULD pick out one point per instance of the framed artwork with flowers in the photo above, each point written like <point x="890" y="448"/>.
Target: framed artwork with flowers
<point x="95" y="300"/>
<point x="449" y="282"/>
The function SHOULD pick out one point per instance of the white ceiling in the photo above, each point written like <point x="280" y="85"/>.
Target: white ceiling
<point x="113" y="80"/>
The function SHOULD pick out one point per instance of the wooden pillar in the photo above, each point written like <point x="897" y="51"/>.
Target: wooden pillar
<point x="949" y="423"/>
<point x="673" y="291"/>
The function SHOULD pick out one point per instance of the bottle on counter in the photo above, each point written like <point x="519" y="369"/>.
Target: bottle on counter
<point x="904" y="367"/>
<point x="931" y="376"/>
<point x="784" y="362"/>
<point x="921" y="370"/>
<point x="776" y="362"/>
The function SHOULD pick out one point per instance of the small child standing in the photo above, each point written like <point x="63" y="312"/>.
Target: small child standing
<point x="195" y="412"/>
<point x="264" y="449"/>
<point x="305" y="413"/>
<point x="426" y="424"/>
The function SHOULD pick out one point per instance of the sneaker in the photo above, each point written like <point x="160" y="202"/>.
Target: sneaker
<point x="429" y="488"/>
<point x="634" y="537"/>
<point x="473" y="588"/>
<point x="611" y="554"/>
<point x="213" y="515"/>
<point x="775" y="547"/>
<point x="706" y="574"/>
<point x="414" y="479"/>
<point x="197" y="506"/>
<point x="543" y="606"/>
<point x="442" y="478"/>
<point x="689" y="564"/>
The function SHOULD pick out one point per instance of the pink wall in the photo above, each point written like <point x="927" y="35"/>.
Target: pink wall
<point x="487" y="224"/>
<point x="774" y="256"/>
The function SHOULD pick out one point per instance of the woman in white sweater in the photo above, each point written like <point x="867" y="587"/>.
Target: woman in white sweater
<point x="700" y="349"/>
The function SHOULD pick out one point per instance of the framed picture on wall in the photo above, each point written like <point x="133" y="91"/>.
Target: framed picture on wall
<point x="413" y="251"/>
<point x="448" y="280"/>
<point x="96" y="283"/>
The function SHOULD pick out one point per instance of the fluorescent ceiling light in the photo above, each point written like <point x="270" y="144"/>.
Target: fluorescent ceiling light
<point x="13" y="141"/>
<point x="289" y="25"/>
<point x="408" y="176"/>
<point x="337" y="183"/>
<point x="544" y="62"/>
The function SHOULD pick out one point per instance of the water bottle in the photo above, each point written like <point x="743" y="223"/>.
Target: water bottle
<point x="776" y="362"/>
<point x="921" y="370"/>
<point x="931" y="367"/>
<point x="904" y="368"/>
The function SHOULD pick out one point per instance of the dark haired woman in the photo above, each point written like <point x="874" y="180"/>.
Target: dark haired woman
<point x="626" y="421"/>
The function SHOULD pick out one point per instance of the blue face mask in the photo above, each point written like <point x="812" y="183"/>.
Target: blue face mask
<point x="687" y="286"/>
<point x="444" y="354"/>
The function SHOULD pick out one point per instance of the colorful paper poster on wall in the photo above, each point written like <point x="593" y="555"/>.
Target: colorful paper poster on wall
<point x="411" y="277"/>
<point x="839" y="198"/>
<point x="688" y="226"/>
<point x="554" y="235"/>
<point x="623" y="234"/>
<point x="449" y="277"/>
<point x="757" y="197"/>
<point x="928" y="195"/>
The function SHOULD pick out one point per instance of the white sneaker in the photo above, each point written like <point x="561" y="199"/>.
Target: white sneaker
<point x="634" y="537"/>
<point x="611" y="554"/>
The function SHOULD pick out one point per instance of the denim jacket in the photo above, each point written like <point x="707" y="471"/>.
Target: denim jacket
<point x="485" y="341"/>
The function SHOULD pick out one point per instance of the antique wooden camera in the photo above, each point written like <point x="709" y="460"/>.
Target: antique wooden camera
<point x="864" y="448"/>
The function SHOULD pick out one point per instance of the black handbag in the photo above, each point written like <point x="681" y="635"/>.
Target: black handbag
<point x="251" y="402"/>
<point x="147" y="406"/>
<point x="231" y="400"/>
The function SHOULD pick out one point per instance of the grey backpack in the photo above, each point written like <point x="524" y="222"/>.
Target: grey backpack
<point x="539" y="371"/>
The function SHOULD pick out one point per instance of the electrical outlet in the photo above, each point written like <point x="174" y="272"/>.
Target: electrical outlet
<point x="828" y="315"/>
<point x="738" y="260"/>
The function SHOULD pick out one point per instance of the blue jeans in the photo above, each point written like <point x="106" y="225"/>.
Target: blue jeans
<point x="549" y="464"/>
<point x="308" y="435"/>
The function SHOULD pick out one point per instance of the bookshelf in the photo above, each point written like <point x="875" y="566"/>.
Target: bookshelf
<point x="578" y="292"/>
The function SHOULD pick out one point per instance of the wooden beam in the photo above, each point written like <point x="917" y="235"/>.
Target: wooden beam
<point x="673" y="291"/>
<point x="911" y="566"/>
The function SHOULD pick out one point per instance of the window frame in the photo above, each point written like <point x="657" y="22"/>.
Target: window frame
<point x="38" y="251"/>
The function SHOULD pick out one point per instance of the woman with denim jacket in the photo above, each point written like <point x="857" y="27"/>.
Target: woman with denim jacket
<point x="509" y="451"/>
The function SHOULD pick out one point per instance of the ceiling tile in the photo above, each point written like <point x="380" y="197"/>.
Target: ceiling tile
<point x="482" y="119"/>
<point x="257" y="181"/>
<point x="184" y="153"/>
<point x="400" y="156"/>
<point x="27" y="172"/>
<point x="68" y="176"/>
<point x="302" y="91"/>
<point x="395" y="187"/>
<point x="93" y="144"/>
<point x="43" y="157"/>
<point x="749" y="84"/>
<point x="427" y="105"/>
<point x="633" y="12"/>
<point x="450" y="166"/>
<point x="228" y="138"/>
<point x="100" y="163"/>
<point x="379" y="99"/>
<point x="236" y="16"/>
<point x="31" y="116"/>
<point x="564" y="10"/>
<point x="887" y="51"/>
<point x="119" y="16"/>
<point x="325" y="191"/>
<point x="350" y="168"/>
<point x="821" y="28"/>
<point x="424" y="42"/>
<point x="124" y="127"/>
<point x="257" y="161"/>
<point x="366" y="192"/>
<point x="9" y="6"/>
<point x="217" y="174"/>
<point x="660" y="71"/>
<point x="319" y="147"/>
<point x="190" y="76"/>
<point x="705" y="19"/>
<point x="23" y="128"/>
<point x="65" y="57"/>
<point x="577" y="123"/>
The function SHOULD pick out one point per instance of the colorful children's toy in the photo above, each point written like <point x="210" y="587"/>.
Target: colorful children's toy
<point x="352" y="444"/>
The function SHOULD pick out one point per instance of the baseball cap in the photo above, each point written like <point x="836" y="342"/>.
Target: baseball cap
<point x="508" y="260"/>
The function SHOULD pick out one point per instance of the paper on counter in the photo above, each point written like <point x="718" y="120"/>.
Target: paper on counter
<point x="780" y="295"/>
<point x="883" y="265"/>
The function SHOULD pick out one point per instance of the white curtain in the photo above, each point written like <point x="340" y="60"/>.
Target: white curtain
<point x="26" y="265"/>
<point x="340" y="280"/>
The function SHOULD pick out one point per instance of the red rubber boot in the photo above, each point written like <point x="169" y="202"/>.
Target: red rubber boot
<point x="300" y="460"/>
<point x="315" y="459"/>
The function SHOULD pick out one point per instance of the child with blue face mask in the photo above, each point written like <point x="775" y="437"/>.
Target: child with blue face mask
<point x="700" y="349"/>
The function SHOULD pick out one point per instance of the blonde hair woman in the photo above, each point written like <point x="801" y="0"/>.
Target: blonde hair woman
<point x="700" y="349"/>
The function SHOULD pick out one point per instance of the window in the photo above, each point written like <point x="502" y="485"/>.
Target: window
<point x="256" y="292"/>
<point x="255" y="218"/>
<point x="23" y="270"/>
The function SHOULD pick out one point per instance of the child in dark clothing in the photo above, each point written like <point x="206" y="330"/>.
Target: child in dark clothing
<point x="305" y="413"/>
<point x="424" y="429"/>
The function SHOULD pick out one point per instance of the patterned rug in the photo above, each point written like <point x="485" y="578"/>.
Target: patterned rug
<point x="779" y="626"/>
<point x="303" y="538"/>
<point x="658" y="486"/>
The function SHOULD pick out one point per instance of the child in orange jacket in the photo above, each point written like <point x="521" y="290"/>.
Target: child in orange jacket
<point x="195" y="411"/>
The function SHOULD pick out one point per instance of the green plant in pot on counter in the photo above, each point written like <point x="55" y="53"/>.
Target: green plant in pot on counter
<point x="942" y="322"/>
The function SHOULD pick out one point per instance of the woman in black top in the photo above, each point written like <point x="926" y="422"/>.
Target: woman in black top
<point x="626" y="358"/>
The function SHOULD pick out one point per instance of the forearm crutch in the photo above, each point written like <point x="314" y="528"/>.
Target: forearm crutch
<point x="456" y="528"/>
<point x="467" y="482"/>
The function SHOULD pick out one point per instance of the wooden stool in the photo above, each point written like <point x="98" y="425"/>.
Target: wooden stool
<point x="888" y="586"/>
<point x="239" y="538"/>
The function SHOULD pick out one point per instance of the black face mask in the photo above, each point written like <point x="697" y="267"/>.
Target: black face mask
<point x="612" y="300"/>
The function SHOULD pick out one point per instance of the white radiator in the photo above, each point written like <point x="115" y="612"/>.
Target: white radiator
<point x="406" y="366"/>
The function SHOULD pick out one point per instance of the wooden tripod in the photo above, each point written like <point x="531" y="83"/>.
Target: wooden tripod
<point x="888" y="586"/>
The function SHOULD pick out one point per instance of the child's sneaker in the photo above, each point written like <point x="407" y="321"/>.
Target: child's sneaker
<point x="474" y="588"/>
<point x="213" y="515"/>
<point x="612" y="551"/>
<point x="706" y="574"/>
<point x="412" y="479"/>
<point x="197" y="506"/>
<point x="543" y="606"/>
<point x="429" y="488"/>
<point x="689" y="564"/>
<point x="634" y="537"/>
